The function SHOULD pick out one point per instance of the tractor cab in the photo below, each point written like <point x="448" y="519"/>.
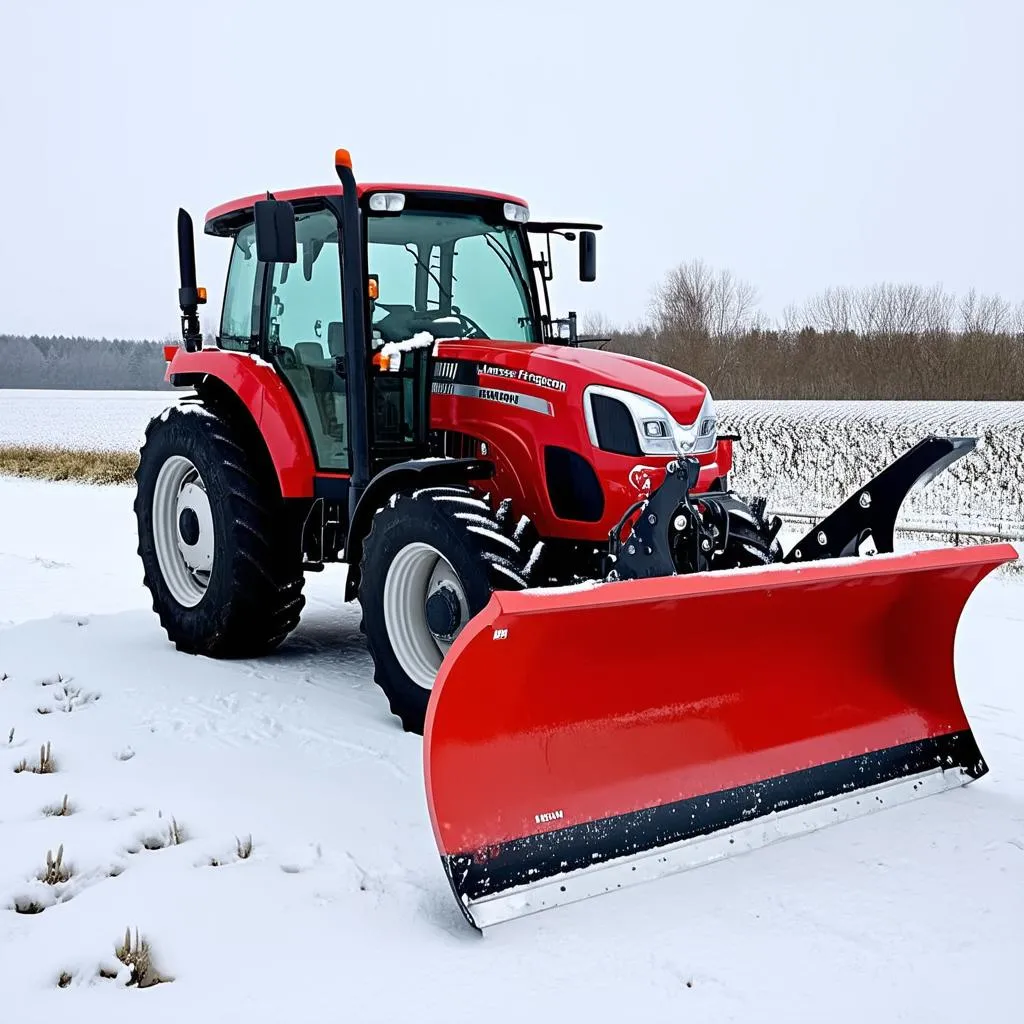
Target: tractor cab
<point x="346" y="294"/>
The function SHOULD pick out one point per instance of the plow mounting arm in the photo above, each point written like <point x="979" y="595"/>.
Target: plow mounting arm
<point x="871" y="512"/>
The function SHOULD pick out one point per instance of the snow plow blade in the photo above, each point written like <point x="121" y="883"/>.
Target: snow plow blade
<point x="582" y="739"/>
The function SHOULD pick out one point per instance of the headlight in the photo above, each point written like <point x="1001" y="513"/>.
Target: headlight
<point x="387" y="202"/>
<point x="516" y="213"/>
<point x="619" y="421"/>
<point x="628" y="424"/>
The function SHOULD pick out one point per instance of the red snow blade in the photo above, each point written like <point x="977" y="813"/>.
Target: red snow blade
<point x="578" y="740"/>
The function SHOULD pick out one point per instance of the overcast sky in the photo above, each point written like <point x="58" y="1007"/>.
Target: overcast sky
<point x="801" y="144"/>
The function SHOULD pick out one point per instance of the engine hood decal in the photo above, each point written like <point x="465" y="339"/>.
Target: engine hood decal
<point x="561" y="368"/>
<point x="524" y="375"/>
<point x="501" y="395"/>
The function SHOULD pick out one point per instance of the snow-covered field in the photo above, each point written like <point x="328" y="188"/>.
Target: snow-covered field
<point x="99" y="421"/>
<point x="807" y="456"/>
<point x="342" y="911"/>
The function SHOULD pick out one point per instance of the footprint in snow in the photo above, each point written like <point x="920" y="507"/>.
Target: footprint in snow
<point x="49" y="563"/>
<point x="306" y="859"/>
<point x="55" y="680"/>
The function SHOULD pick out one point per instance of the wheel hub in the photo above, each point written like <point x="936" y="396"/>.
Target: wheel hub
<point x="425" y="608"/>
<point x="188" y="526"/>
<point x="444" y="613"/>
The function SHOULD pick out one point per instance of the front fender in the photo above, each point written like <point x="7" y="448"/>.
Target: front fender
<point x="270" y="403"/>
<point x="410" y="475"/>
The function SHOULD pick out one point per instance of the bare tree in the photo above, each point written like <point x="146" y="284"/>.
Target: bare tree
<point x="695" y="300"/>
<point x="593" y="324"/>
<point x="832" y="310"/>
<point x="985" y="314"/>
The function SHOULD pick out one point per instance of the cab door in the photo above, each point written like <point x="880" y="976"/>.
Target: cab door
<point x="303" y="333"/>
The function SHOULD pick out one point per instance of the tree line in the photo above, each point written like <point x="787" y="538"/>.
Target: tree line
<point x="881" y="342"/>
<point x="81" y="364"/>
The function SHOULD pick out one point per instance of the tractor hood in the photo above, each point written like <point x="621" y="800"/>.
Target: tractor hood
<point x="578" y="368"/>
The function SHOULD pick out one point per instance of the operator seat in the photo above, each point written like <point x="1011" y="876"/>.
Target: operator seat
<point x="322" y="392"/>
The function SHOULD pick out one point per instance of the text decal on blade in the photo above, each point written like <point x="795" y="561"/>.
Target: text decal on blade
<point x="523" y="375"/>
<point x="547" y="816"/>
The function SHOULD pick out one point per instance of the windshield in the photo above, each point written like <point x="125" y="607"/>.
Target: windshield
<point x="453" y="275"/>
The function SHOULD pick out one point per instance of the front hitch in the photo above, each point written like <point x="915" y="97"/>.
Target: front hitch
<point x="648" y="551"/>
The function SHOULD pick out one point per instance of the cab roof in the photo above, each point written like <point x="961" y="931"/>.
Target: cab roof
<point x="223" y="219"/>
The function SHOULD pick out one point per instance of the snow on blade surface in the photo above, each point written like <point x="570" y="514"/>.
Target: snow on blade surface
<point x="912" y="914"/>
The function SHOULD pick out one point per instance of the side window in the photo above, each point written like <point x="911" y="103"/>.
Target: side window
<point x="304" y="334"/>
<point x="236" y="318"/>
<point x="395" y="268"/>
<point x="306" y="296"/>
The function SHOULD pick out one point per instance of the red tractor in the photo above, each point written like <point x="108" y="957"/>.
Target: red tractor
<point x="390" y="390"/>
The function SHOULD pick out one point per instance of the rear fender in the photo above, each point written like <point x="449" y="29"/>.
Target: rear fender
<point x="259" y="388"/>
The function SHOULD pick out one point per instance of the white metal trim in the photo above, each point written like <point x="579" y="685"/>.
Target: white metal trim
<point x="608" y="876"/>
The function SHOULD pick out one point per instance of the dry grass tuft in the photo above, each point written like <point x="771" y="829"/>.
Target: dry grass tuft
<point x="135" y="954"/>
<point x="64" y="980"/>
<point x="61" y="810"/>
<point x="243" y="847"/>
<point x="56" y="870"/>
<point x="62" y="464"/>
<point x="173" y="835"/>
<point x="46" y="764"/>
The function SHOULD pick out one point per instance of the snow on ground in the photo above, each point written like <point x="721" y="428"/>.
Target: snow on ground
<point x="342" y="909"/>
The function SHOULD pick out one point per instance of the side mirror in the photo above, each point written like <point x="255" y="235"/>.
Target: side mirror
<point x="588" y="256"/>
<point x="275" y="231"/>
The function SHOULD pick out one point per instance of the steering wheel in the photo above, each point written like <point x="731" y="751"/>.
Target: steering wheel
<point x="403" y="322"/>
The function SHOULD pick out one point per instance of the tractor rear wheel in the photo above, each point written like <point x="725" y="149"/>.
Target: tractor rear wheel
<point x="430" y="561"/>
<point x="218" y="557"/>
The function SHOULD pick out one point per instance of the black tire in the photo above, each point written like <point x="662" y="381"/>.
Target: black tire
<point x="751" y="539"/>
<point x="253" y="598"/>
<point x="461" y="527"/>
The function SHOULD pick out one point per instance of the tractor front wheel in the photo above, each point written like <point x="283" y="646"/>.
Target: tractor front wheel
<point x="219" y="559"/>
<point x="430" y="561"/>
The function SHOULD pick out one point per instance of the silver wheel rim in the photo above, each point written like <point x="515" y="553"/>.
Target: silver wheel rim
<point x="183" y="530"/>
<point x="414" y="574"/>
